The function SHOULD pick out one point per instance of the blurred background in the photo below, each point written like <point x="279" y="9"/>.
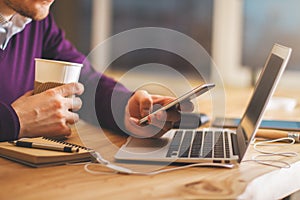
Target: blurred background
<point x="238" y="34"/>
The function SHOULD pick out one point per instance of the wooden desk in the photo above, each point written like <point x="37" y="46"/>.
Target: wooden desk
<point x="248" y="181"/>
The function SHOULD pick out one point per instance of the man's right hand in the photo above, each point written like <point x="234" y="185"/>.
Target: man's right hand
<point x="48" y="113"/>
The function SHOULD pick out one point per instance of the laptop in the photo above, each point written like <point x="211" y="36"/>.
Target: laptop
<point x="213" y="145"/>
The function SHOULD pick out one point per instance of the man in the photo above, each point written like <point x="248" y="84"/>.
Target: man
<point x="28" y="31"/>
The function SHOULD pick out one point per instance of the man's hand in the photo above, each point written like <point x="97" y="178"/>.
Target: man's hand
<point x="141" y="104"/>
<point x="50" y="112"/>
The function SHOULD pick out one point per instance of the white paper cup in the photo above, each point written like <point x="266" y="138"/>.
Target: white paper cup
<point x="52" y="73"/>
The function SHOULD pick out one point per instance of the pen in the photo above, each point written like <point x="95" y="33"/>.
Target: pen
<point x="44" y="146"/>
<point x="276" y="134"/>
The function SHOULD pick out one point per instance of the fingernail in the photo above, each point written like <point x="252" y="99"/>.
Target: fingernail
<point x="133" y="119"/>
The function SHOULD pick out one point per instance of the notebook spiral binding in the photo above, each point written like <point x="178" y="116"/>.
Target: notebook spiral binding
<point x="67" y="143"/>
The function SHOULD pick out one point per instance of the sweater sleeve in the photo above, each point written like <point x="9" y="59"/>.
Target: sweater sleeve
<point x="104" y="99"/>
<point x="9" y="123"/>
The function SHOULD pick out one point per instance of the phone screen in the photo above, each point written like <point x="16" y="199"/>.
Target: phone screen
<point x="187" y="96"/>
<point x="266" y="124"/>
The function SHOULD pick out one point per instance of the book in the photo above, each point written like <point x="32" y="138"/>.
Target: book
<point x="35" y="157"/>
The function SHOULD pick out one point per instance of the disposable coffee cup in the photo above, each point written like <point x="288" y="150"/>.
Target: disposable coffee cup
<point x="53" y="73"/>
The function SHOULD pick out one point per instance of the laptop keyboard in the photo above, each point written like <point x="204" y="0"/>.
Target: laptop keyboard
<point x="200" y="144"/>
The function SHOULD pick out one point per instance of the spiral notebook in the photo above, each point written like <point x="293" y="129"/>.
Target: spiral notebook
<point x="40" y="157"/>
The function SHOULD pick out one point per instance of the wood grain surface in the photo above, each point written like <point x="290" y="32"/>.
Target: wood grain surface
<point x="249" y="180"/>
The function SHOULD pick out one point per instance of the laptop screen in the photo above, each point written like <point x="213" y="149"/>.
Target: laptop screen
<point x="255" y="109"/>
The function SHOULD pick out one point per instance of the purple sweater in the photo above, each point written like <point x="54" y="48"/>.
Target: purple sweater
<point x="43" y="39"/>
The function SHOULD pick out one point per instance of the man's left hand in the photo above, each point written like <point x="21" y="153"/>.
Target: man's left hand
<point x="141" y="104"/>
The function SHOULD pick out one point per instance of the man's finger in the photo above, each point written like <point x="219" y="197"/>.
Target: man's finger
<point x="69" y="89"/>
<point x="74" y="103"/>
<point x="145" y="102"/>
<point x="72" y="118"/>
<point x="171" y="115"/>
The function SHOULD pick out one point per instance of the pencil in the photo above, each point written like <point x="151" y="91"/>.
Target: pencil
<point x="276" y="134"/>
<point x="44" y="146"/>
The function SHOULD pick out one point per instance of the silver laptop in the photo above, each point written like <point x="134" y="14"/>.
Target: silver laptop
<point x="213" y="145"/>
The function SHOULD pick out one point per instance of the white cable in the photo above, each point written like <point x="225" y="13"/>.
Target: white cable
<point x="268" y="143"/>
<point x="86" y="168"/>
<point x="272" y="162"/>
<point x="118" y="169"/>
<point x="280" y="163"/>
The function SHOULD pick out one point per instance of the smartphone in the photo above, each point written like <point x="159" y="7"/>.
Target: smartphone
<point x="265" y="124"/>
<point x="187" y="96"/>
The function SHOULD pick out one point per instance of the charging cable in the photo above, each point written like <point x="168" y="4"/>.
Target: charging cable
<point x="119" y="169"/>
<point x="270" y="162"/>
<point x="264" y="153"/>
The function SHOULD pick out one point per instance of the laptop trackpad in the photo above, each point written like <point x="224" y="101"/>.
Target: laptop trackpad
<point x="148" y="142"/>
<point x="146" y="145"/>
